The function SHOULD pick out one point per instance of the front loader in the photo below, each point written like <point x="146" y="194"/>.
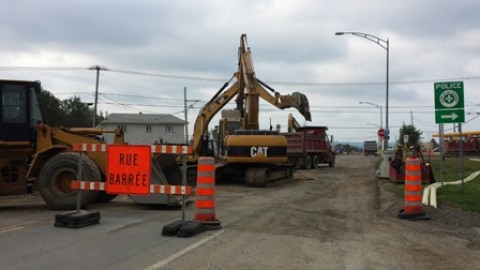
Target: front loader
<point x="35" y="156"/>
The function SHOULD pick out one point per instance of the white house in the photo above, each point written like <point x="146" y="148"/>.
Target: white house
<point x="146" y="128"/>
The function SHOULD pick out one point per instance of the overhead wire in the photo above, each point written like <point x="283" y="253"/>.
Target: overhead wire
<point x="198" y="78"/>
<point x="23" y="68"/>
<point x="169" y="76"/>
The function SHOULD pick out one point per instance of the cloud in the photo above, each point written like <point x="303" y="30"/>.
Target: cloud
<point x="293" y="48"/>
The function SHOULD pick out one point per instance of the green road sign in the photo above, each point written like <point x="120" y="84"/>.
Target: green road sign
<point x="449" y="116"/>
<point x="449" y="102"/>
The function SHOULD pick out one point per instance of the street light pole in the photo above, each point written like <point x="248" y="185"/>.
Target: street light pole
<point x="376" y="106"/>
<point x="384" y="44"/>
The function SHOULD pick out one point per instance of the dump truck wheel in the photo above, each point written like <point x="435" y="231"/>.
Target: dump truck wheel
<point x="307" y="162"/>
<point x="331" y="163"/>
<point x="315" y="162"/>
<point x="57" y="174"/>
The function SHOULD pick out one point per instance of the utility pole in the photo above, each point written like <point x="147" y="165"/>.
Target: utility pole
<point x="97" y="68"/>
<point x="184" y="157"/>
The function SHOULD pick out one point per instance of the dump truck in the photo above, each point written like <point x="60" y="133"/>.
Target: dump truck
<point x="35" y="156"/>
<point x="308" y="146"/>
<point x="245" y="151"/>
<point x="370" y="148"/>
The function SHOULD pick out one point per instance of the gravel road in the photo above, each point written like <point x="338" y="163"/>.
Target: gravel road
<point x="327" y="218"/>
<point x="333" y="218"/>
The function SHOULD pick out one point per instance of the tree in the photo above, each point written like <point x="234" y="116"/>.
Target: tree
<point x="51" y="109"/>
<point x="71" y="112"/>
<point x="78" y="113"/>
<point x="413" y="135"/>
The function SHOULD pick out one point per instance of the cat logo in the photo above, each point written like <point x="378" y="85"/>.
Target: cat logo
<point x="260" y="151"/>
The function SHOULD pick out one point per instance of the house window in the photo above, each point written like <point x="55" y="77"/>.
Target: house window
<point x="149" y="128"/>
<point x="169" y="129"/>
<point x="122" y="127"/>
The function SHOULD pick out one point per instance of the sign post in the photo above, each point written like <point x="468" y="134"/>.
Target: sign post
<point x="128" y="169"/>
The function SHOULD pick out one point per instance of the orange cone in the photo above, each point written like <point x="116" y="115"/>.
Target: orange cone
<point x="205" y="193"/>
<point x="413" y="189"/>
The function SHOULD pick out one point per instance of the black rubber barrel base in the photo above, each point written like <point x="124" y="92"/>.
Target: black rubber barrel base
<point x="74" y="219"/>
<point x="183" y="229"/>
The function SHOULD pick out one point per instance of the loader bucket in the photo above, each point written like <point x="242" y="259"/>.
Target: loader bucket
<point x="164" y="171"/>
<point x="300" y="102"/>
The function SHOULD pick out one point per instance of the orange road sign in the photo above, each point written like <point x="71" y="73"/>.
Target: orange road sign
<point x="128" y="169"/>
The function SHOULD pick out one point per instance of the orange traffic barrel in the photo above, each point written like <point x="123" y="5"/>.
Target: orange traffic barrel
<point x="205" y="193"/>
<point x="413" y="189"/>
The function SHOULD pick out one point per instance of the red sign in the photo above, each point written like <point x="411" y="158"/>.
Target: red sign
<point x="381" y="132"/>
<point x="128" y="169"/>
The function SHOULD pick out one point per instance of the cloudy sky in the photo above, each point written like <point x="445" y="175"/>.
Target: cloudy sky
<point x="153" y="49"/>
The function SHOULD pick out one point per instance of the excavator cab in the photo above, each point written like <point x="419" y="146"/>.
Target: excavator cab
<point x="230" y="122"/>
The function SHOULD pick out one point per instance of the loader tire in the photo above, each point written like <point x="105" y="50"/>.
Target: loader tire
<point x="55" y="178"/>
<point x="104" y="197"/>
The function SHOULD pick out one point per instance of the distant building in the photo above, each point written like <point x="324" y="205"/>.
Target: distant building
<point x="146" y="128"/>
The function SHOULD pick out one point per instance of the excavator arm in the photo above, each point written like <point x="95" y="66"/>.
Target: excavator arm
<point x="208" y="111"/>
<point x="253" y="88"/>
<point x="295" y="100"/>
<point x="248" y="89"/>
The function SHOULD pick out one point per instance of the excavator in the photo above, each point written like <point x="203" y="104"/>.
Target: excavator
<point x="243" y="150"/>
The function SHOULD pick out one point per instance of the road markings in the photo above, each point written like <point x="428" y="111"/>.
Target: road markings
<point x="172" y="257"/>
<point x="17" y="227"/>
<point x="10" y="229"/>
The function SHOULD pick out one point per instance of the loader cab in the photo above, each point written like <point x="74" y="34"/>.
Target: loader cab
<point x="20" y="111"/>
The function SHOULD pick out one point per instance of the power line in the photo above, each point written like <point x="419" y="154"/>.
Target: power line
<point x="142" y="105"/>
<point x="169" y="76"/>
<point x="19" y="68"/>
<point x="342" y="84"/>
<point x="197" y="78"/>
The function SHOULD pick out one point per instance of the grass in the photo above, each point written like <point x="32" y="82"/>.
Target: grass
<point x="466" y="197"/>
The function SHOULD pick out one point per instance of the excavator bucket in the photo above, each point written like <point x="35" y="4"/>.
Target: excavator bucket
<point x="164" y="171"/>
<point x="300" y="102"/>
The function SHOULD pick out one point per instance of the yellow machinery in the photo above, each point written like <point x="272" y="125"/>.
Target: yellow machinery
<point x="244" y="151"/>
<point x="35" y="156"/>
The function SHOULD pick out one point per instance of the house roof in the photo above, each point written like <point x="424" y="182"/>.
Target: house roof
<point x="127" y="118"/>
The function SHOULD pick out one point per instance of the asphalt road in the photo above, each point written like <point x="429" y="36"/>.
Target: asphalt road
<point x="327" y="218"/>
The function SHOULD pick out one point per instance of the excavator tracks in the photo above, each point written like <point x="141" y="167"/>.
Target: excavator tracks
<point x="260" y="176"/>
